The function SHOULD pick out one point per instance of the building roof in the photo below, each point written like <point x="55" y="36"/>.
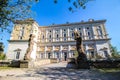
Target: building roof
<point x="91" y="21"/>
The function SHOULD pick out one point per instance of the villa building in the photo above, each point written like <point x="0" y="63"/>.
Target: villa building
<point x="57" y="41"/>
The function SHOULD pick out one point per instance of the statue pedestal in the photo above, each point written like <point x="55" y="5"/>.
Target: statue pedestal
<point x="82" y="62"/>
<point x="83" y="65"/>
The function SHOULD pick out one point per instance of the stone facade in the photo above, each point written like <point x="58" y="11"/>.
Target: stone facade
<point x="57" y="41"/>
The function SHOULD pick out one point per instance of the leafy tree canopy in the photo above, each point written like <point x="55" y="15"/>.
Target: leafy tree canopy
<point x="11" y="10"/>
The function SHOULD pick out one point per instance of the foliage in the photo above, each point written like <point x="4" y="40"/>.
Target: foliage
<point x="1" y="47"/>
<point x="2" y="56"/>
<point x="115" y="52"/>
<point x="11" y="10"/>
<point x="75" y="54"/>
<point x="109" y="70"/>
<point x="75" y="4"/>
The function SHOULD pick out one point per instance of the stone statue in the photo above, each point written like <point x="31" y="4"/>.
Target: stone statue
<point x="81" y="59"/>
<point x="30" y="47"/>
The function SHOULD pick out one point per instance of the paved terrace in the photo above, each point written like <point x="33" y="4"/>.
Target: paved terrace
<point x="56" y="71"/>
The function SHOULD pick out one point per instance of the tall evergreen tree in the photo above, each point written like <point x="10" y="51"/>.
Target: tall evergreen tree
<point x="115" y="52"/>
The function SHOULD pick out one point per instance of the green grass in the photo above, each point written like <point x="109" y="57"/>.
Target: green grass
<point x="109" y="70"/>
<point x="6" y="68"/>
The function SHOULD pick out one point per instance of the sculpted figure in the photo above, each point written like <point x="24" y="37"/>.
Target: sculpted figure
<point x="81" y="54"/>
<point x="30" y="47"/>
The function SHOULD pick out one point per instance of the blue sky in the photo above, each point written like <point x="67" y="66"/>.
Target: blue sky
<point x="46" y="13"/>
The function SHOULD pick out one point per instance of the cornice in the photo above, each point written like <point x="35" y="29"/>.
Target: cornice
<point x="74" y="41"/>
<point x="77" y="23"/>
<point x="17" y="40"/>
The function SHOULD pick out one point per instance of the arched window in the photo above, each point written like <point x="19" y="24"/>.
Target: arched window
<point x="57" y="35"/>
<point x="18" y="55"/>
<point x="50" y="36"/>
<point x="88" y="34"/>
<point x="80" y="34"/>
<point x="72" y="34"/>
<point x="43" y="37"/>
<point x="64" y="35"/>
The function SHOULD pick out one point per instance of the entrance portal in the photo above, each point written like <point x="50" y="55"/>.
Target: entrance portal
<point x="49" y="54"/>
<point x="65" y="56"/>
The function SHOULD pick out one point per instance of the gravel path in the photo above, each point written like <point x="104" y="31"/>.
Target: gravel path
<point x="56" y="72"/>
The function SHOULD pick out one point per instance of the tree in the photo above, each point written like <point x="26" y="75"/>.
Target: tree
<point x="76" y="4"/>
<point x="115" y="52"/>
<point x="11" y="10"/>
<point x="2" y="55"/>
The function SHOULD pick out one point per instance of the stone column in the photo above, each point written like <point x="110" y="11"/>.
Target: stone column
<point x="46" y="35"/>
<point x="84" y="32"/>
<point x="53" y="56"/>
<point x="75" y="29"/>
<point x="68" y="51"/>
<point x="68" y="34"/>
<point x="53" y="35"/>
<point x="60" y="34"/>
<point x="45" y="52"/>
<point x="87" y="53"/>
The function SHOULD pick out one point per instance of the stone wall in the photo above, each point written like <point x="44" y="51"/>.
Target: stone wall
<point x="4" y="63"/>
<point x="41" y="62"/>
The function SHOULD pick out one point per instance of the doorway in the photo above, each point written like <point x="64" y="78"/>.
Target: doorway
<point x="65" y="56"/>
<point x="49" y="55"/>
<point x="106" y="54"/>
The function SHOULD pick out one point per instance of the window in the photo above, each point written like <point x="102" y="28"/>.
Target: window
<point x="106" y="54"/>
<point x="88" y="34"/>
<point x="64" y="35"/>
<point x="72" y="34"/>
<point x="71" y="29"/>
<point x="50" y="36"/>
<point x="21" y="33"/>
<point x="99" y="30"/>
<point x="64" y="39"/>
<point x="20" y="37"/>
<point x="57" y="35"/>
<point x="49" y="55"/>
<point x="80" y="34"/>
<point x="43" y="36"/>
<point x="56" y="31"/>
<point x="92" y="54"/>
<point x="64" y="30"/>
<point x="22" y="28"/>
<point x="17" y="55"/>
<point x="50" y="40"/>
